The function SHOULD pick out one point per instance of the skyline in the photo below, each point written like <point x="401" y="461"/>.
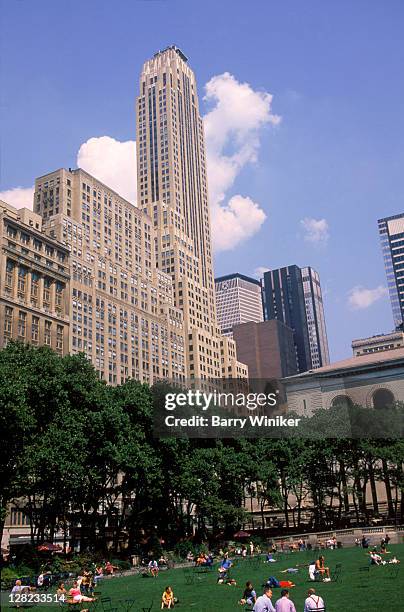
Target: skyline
<point x="277" y="160"/>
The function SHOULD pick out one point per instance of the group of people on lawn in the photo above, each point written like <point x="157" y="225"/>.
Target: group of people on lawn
<point x="283" y="604"/>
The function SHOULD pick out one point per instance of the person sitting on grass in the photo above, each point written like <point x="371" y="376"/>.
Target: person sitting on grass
<point x="167" y="598"/>
<point x="201" y="560"/>
<point x="249" y="596"/>
<point x="61" y="593"/>
<point x="109" y="568"/>
<point x="153" y="568"/>
<point x="314" y="602"/>
<point x="76" y="595"/>
<point x="225" y="566"/>
<point x="269" y="558"/>
<point x="375" y="559"/>
<point x="322" y="569"/>
<point x="98" y="575"/>
<point x="190" y="556"/>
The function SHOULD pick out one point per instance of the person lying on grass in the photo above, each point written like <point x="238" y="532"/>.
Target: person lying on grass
<point x="76" y="595"/>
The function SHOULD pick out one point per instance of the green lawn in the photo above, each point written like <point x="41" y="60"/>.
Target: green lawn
<point x="356" y="592"/>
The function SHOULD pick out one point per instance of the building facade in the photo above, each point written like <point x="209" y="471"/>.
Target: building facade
<point x="374" y="380"/>
<point x="375" y="344"/>
<point x="122" y="315"/>
<point x="283" y="299"/>
<point x="34" y="282"/>
<point x="391" y="231"/>
<point x="267" y="348"/>
<point x="173" y="191"/>
<point x="293" y="295"/>
<point x="313" y="300"/>
<point x="238" y="300"/>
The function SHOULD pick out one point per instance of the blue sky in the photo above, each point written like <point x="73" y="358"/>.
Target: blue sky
<point x="69" y="72"/>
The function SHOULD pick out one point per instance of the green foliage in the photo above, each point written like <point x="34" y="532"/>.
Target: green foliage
<point x="70" y="445"/>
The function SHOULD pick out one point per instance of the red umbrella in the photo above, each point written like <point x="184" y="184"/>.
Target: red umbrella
<point x="241" y="534"/>
<point x="48" y="547"/>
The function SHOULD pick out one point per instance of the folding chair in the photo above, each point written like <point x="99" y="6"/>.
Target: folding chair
<point x="189" y="576"/>
<point x="148" y="608"/>
<point x="393" y="570"/>
<point x="364" y="575"/>
<point x="128" y="604"/>
<point x="106" y="603"/>
<point x="336" y="575"/>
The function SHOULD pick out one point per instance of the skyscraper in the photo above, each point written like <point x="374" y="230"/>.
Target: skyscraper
<point x="391" y="230"/>
<point x="172" y="189"/>
<point x="293" y="296"/>
<point x="313" y="300"/>
<point x="238" y="300"/>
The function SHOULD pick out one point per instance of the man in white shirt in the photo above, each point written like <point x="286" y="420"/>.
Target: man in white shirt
<point x="314" y="602"/>
<point x="264" y="603"/>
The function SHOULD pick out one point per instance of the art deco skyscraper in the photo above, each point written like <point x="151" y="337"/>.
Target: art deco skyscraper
<point x="172" y="189"/>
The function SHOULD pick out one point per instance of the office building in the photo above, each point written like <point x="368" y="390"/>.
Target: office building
<point x="122" y="307"/>
<point x="313" y="300"/>
<point x="34" y="282"/>
<point x="293" y="295"/>
<point x="267" y="348"/>
<point x="238" y="300"/>
<point x="391" y="230"/>
<point x="375" y="344"/>
<point x="172" y="190"/>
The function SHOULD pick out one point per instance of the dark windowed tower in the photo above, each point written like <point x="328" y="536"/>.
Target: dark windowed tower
<point x="391" y="230"/>
<point x="293" y="296"/>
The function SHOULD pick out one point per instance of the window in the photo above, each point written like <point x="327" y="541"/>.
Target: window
<point x="47" y="333"/>
<point x="46" y="292"/>
<point x="22" y="324"/>
<point x="383" y="398"/>
<point x="59" y="338"/>
<point x="22" y="273"/>
<point x="9" y="274"/>
<point x="8" y="321"/>
<point x="35" y="330"/>
<point x="342" y="401"/>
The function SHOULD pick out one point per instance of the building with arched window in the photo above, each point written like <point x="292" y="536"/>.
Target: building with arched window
<point x="374" y="380"/>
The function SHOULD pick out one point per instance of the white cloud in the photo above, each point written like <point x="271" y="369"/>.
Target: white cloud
<point x="240" y="215"/>
<point x="316" y="230"/>
<point x="232" y="140"/>
<point x="260" y="271"/>
<point x="19" y="197"/>
<point x="112" y="162"/>
<point x="360" y="297"/>
<point x="232" y="129"/>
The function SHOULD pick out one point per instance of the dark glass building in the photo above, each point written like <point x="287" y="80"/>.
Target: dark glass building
<point x="290" y="298"/>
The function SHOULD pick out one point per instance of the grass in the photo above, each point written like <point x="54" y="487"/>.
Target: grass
<point x="357" y="590"/>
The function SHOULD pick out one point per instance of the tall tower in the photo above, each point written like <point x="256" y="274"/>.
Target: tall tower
<point x="172" y="189"/>
<point x="391" y="230"/>
<point x="313" y="299"/>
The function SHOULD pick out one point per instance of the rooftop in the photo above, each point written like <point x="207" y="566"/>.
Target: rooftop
<point x="173" y="48"/>
<point x="355" y="363"/>
<point x="237" y="275"/>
